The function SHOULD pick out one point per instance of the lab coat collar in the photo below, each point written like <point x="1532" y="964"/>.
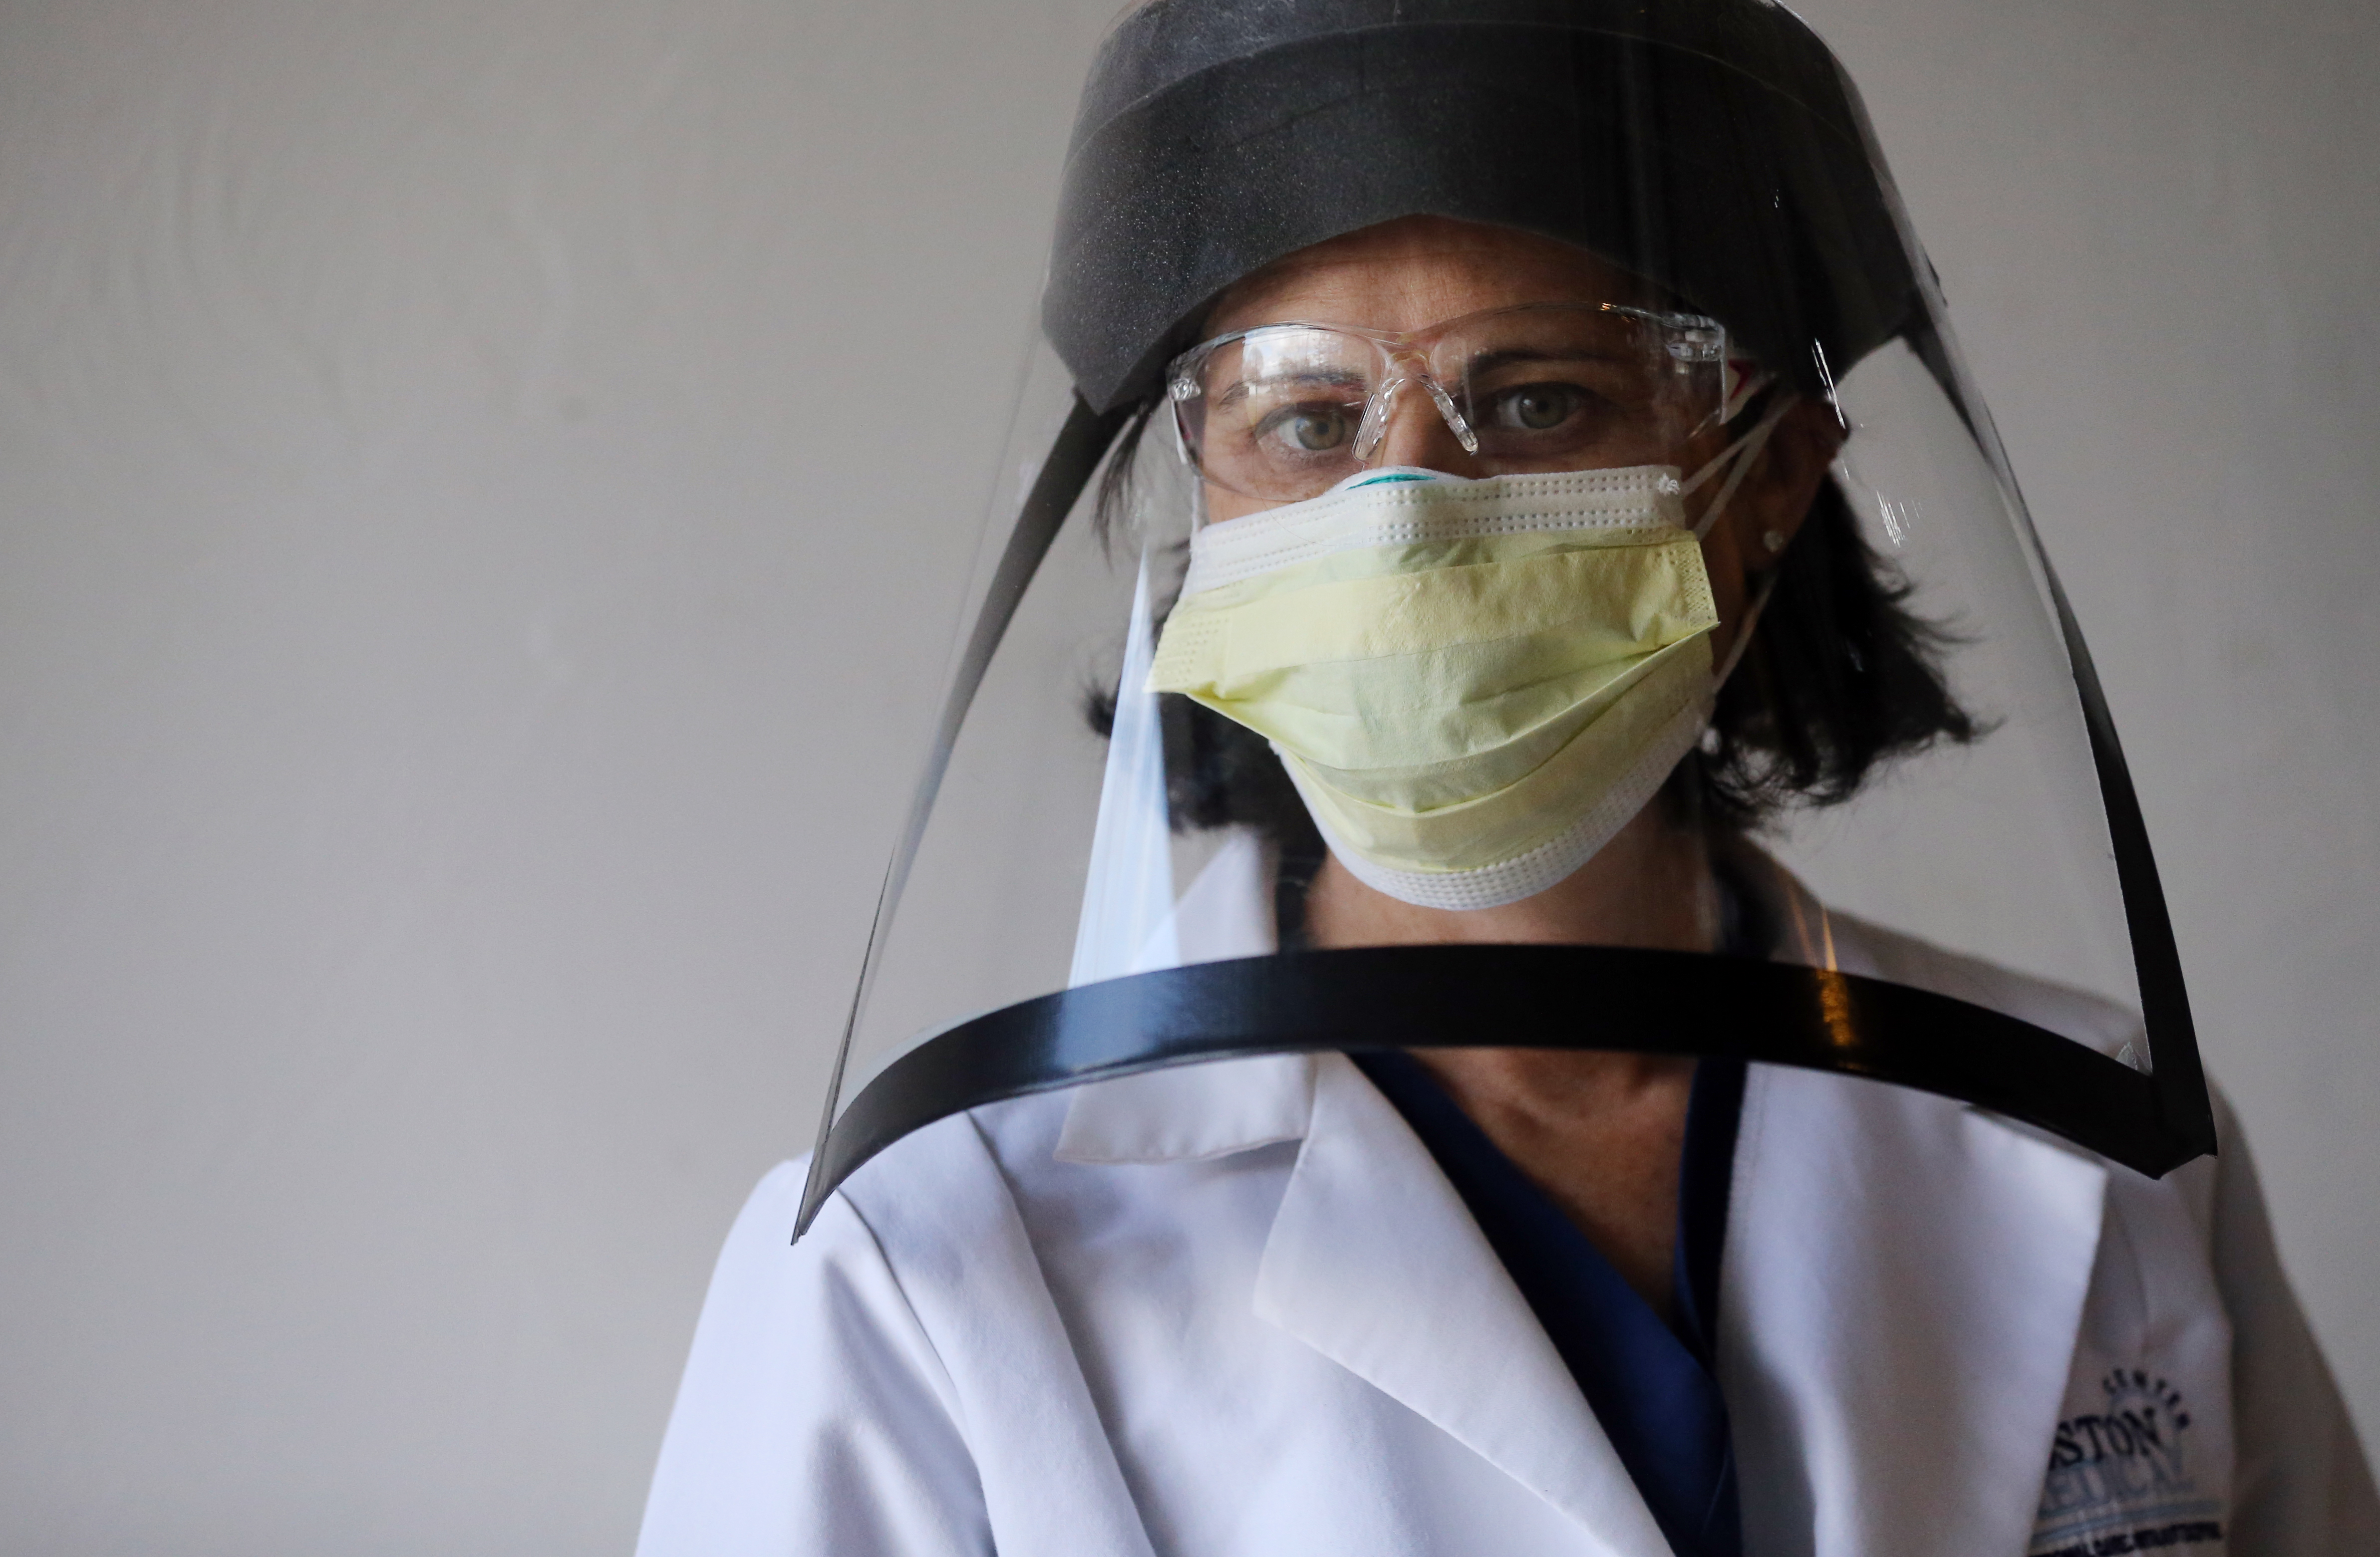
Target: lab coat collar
<point x="1895" y="1356"/>
<point x="1189" y="1113"/>
<point x="1373" y="1262"/>
<point x="1903" y="1288"/>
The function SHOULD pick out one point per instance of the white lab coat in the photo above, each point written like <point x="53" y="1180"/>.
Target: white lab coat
<point x="1236" y="1310"/>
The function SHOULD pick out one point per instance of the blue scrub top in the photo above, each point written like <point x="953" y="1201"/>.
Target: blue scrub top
<point x="1651" y="1386"/>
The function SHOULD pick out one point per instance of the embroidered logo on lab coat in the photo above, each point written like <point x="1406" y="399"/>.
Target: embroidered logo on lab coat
<point x="2120" y="1476"/>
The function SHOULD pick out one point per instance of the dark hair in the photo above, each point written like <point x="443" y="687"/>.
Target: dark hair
<point x="1841" y="675"/>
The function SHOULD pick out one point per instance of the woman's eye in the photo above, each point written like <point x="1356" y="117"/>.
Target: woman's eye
<point x="1537" y="407"/>
<point x="1309" y="429"/>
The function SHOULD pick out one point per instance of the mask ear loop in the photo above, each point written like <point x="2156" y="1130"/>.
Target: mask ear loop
<point x="1744" y="634"/>
<point x="1745" y="453"/>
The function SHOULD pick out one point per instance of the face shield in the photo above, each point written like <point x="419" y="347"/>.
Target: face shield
<point x="1498" y="549"/>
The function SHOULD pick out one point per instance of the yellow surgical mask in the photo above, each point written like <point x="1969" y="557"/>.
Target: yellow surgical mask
<point x="1473" y="683"/>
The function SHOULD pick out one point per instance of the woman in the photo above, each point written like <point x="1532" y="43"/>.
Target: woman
<point x="1523" y="592"/>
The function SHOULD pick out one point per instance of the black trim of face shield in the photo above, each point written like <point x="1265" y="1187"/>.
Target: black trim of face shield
<point x="1511" y="997"/>
<point x="1082" y="443"/>
<point x="2183" y="1104"/>
<point x="2186" y="1105"/>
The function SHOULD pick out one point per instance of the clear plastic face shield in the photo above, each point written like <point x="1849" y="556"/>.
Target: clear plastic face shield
<point x="1451" y="597"/>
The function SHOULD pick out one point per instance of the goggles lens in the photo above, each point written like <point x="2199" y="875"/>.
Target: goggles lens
<point x="1286" y="411"/>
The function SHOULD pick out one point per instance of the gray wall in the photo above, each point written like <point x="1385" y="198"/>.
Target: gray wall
<point x="473" y="559"/>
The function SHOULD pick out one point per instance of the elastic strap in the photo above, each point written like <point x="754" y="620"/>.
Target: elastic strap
<point x="1745" y="453"/>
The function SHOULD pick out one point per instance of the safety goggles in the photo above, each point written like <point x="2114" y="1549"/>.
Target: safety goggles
<point x="1284" y="412"/>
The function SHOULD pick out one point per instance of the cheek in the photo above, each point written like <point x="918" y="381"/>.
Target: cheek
<point x="1222" y="504"/>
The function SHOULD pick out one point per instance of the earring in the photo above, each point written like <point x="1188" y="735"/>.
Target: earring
<point x="1774" y="541"/>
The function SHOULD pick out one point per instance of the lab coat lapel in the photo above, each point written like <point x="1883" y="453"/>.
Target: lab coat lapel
<point x="1904" y="1281"/>
<point x="1373" y="1262"/>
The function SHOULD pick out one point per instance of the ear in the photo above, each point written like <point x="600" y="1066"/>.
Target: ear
<point x="1768" y="511"/>
<point x="1777" y="492"/>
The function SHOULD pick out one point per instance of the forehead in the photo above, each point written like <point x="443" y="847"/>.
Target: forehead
<point x="1412" y="273"/>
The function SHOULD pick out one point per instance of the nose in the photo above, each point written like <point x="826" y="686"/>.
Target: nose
<point x="1417" y="435"/>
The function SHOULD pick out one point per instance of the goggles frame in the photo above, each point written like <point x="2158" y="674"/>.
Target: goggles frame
<point x="1401" y="360"/>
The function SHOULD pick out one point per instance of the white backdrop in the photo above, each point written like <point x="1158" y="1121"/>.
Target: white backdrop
<point x="474" y="541"/>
